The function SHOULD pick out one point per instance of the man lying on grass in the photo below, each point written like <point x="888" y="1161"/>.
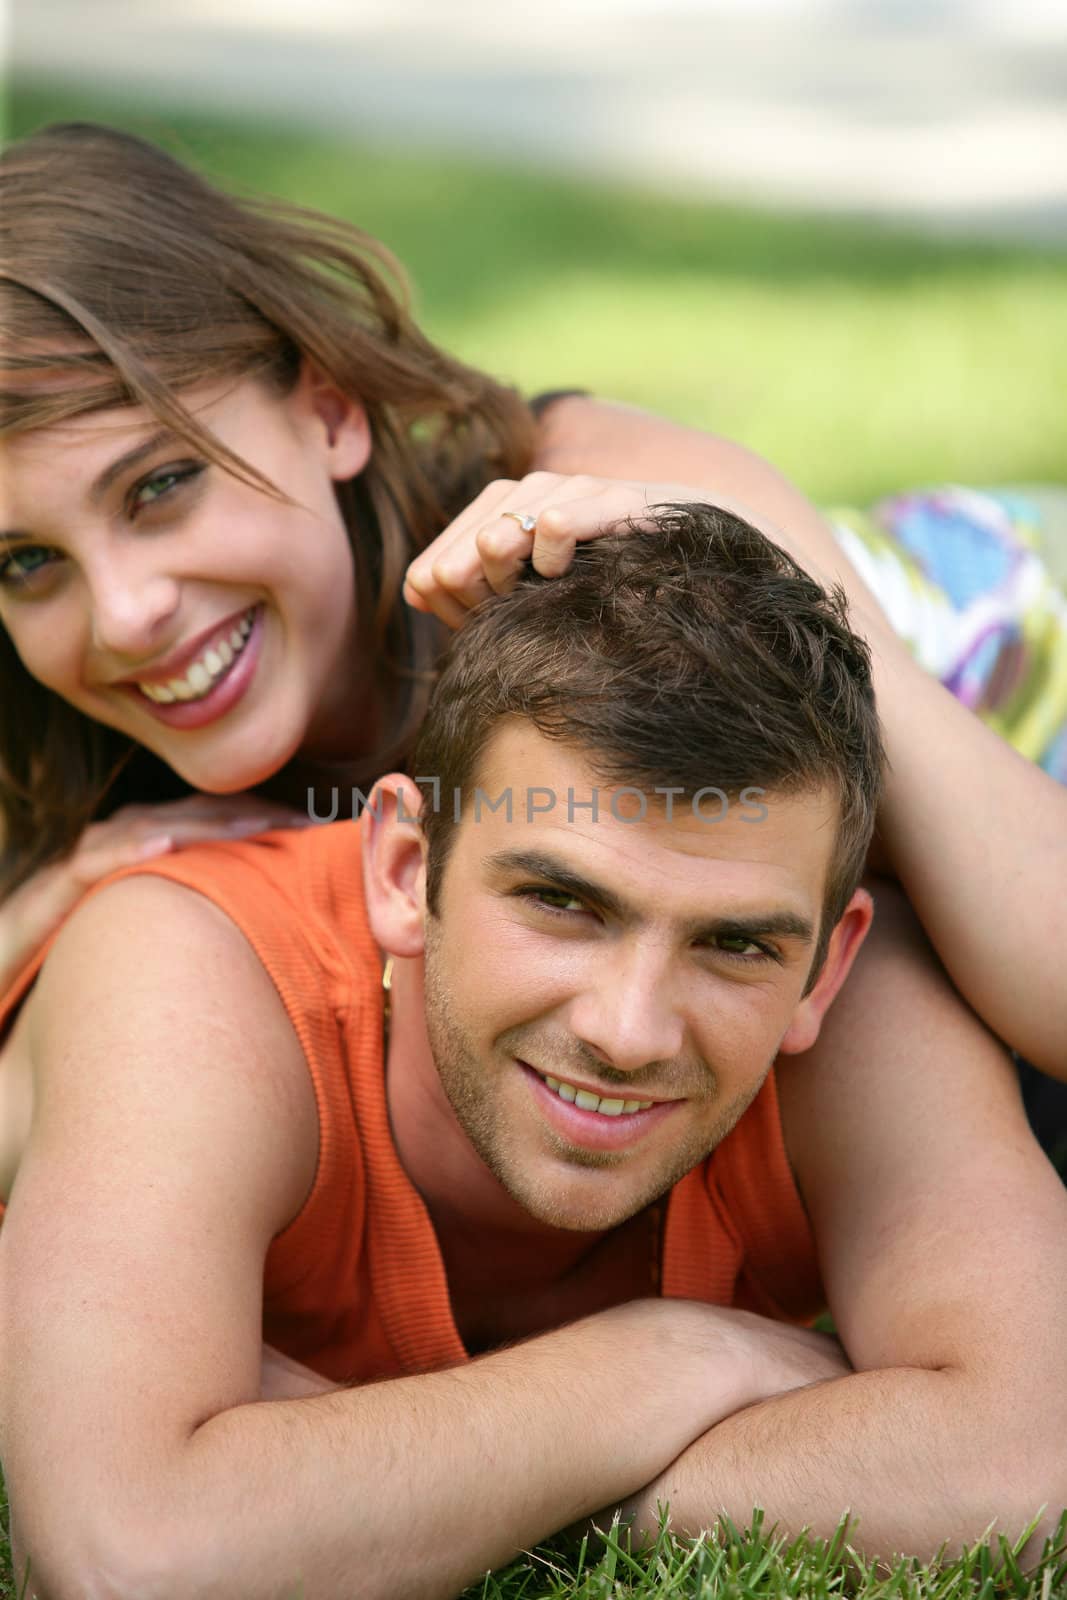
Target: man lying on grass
<point x="565" y="1152"/>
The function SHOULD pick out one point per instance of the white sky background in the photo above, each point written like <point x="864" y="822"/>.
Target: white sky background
<point x="950" y="112"/>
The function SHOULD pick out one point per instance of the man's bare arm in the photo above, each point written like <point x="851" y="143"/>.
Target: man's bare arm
<point x="174" y="1133"/>
<point x="943" y="1236"/>
<point x="976" y="834"/>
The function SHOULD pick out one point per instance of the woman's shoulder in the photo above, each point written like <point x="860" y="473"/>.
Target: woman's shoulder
<point x="540" y="403"/>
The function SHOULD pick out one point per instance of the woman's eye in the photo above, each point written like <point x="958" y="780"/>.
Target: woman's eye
<point x="21" y="566"/>
<point x="161" y="484"/>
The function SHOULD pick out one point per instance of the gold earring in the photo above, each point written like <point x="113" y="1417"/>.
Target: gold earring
<point x="387" y="986"/>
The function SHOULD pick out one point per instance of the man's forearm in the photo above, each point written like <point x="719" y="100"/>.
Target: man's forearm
<point x="911" y="1454"/>
<point x="414" y="1486"/>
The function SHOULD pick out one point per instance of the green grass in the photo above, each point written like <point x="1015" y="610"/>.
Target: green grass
<point x="756" y="1564"/>
<point x="858" y="359"/>
<point x="7" y="1576"/>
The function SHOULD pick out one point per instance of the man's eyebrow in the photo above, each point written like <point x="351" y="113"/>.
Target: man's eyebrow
<point x="130" y="459"/>
<point x="761" y="925"/>
<point x="773" y="923"/>
<point x="540" y="865"/>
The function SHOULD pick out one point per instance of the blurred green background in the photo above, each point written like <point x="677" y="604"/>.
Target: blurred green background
<point x="858" y="358"/>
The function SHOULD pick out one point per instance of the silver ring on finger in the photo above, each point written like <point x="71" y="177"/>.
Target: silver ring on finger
<point x="527" y="523"/>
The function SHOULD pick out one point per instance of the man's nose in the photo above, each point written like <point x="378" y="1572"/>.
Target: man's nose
<point x="627" y="1014"/>
<point x="131" y="602"/>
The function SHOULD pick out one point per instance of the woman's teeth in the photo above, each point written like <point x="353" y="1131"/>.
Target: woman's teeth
<point x="593" y="1102"/>
<point x="204" y="672"/>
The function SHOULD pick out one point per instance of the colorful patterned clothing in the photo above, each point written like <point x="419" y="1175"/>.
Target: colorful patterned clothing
<point x="964" y="578"/>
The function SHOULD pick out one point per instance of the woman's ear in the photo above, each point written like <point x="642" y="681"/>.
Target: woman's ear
<point x="844" y="946"/>
<point x="394" y="866"/>
<point x="341" y="423"/>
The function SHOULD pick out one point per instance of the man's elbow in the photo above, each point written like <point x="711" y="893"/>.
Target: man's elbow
<point x="1020" y="1479"/>
<point x="1037" y="1498"/>
<point x="113" y="1559"/>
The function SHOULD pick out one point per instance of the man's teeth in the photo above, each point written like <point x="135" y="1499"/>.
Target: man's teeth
<point x="206" y="669"/>
<point x="593" y="1102"/>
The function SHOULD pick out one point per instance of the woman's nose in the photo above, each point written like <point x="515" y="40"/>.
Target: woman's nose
<point x="130" y="606"/>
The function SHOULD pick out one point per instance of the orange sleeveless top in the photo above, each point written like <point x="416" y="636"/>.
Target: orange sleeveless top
<point x="355" y="1286"/>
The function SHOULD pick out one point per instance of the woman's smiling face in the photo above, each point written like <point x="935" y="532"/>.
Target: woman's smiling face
<point x="160" y="594"/>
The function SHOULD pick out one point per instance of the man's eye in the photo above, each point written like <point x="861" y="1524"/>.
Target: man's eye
<point x="552" y="899"/>
<point x="742" y="949"/>
<point x="22" y="566"/>
<point x="162" y="483"/>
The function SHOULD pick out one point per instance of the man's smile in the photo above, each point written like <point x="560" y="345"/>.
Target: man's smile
<point x="592" y="1098"/>
<point x="597" y="1122"/>
<point x="605" y="1105"/>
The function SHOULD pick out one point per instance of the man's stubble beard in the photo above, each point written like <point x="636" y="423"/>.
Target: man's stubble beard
<point x="465" y="1084"/>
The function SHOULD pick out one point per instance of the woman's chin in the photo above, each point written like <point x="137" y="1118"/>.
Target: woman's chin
<point x="233" y="768"/>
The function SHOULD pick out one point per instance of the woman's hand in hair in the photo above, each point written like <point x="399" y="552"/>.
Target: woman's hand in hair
<point x="485" y="549"/>
<point x="135" y="833"/>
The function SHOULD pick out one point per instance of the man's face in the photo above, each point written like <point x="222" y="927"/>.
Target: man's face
<point x="657" y="962"/>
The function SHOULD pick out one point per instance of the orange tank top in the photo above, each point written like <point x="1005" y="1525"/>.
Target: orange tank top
<point x="355" y="1286"/>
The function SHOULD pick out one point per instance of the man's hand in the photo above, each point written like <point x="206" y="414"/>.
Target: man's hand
<point x="779" y="1357"/>
<point x="785" y="1357"/>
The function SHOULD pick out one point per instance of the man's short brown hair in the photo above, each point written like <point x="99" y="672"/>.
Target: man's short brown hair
<point x="689" y="653"/>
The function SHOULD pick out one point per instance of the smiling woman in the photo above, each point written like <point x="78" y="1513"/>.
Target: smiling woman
<point x="224" y="440"/>
<point x="178" y="593"/>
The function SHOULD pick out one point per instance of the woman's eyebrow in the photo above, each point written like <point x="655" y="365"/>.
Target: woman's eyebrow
<point x="128" y="460"/>
<point x="123" y="463"/>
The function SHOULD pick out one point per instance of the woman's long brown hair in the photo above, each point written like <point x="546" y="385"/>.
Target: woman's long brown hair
<point x="126" y="279"/>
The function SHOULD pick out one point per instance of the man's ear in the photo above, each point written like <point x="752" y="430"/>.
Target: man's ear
<point x="394" y="866"/>
<point x="340" y="422"/>
<point x="845" y="941"/>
